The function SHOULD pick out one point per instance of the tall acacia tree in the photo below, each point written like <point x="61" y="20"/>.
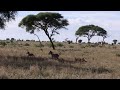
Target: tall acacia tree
<point x="48" y="22"/>
<point x="6" y="16"/>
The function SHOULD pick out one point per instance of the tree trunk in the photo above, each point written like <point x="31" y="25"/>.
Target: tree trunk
<point x="46" y="32"/>
<point x="103" y="39"/>
<point x="39" y="41"/>
<point x="88" y="40"/>
<point x="51" y="43"/>
<point x="76" y="39"/>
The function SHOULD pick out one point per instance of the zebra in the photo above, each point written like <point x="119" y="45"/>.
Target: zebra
<point x="55" y="56"/>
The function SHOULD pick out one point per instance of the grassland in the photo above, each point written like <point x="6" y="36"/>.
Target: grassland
<point x="102" y="62"/>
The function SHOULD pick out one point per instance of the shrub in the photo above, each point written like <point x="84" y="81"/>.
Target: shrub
<point x="59" y="44"/>
<point x="3" y="43"/>
<point x="50" y="45"/>
<point x="71" y="46"/>
<point x="82" y="46"/>
<point x="80" y="41"/>
<point x="118" y="55"/>
<point x="39" y="45"/>
<point x="119" y="43"/>
<point x="27" y="44"/>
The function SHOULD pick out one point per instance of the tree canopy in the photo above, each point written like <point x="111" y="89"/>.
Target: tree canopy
<point x="48" y="22"/>
<point x="102" y="32"/>
<point x="6" y="16"/>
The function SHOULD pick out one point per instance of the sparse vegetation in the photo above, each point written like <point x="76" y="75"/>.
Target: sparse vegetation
<point x="59" y="45"/>
<point x="15" y="63"/>
<point x="36" y="45"/>
<point x="3" y="43"/>
<point x="50" y="45"/>
<point x="26" y="44"/>
<point x="71" y="46"/>
<point x="118" y="55"/>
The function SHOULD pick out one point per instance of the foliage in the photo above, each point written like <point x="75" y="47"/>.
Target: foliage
<point x="39" y="45"/>
<point x="6" y="16"/>
<point x="7" y="39"/>
<point x="103" y="33"/>
<point x="59" y="45"/>
<point x="50" y="45"/>
<point x="3" y="43"/>
<point x="118" y="55"/>
<point x="119" y="43"/>
<point x="71" y="46"/>
<point x="80" y="41"/>
<point x="26" y="44"/>
<point x="12" y="39"/>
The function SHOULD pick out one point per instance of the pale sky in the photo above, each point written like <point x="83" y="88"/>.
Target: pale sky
<point x="109" y="20"/>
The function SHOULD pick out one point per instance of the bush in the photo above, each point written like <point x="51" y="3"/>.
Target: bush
<point x="27" y="44"/>
<point x="82" y="46"/>
<point x="59" y="44"/>
<point x="39" y="45"/>
<point x="7" y="42"/>
<point x="50" y="45"/>
<point x="118" y="55"/>
<point x="119" y="43"/>
<point x="71" y="46"/>
<point x="80" y="41"/>
<point x="3" y="43"/>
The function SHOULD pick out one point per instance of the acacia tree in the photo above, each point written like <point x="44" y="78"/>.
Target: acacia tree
<point x="6" y="16"/>
<point x="87" y="31"/>
<point x="91" y="30"/>
<point x="47" y="21"/>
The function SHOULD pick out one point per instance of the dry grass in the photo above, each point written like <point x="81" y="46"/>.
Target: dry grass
<point x="102" y="62"/>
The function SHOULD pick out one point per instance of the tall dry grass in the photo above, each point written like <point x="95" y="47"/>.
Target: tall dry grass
<point x="102" y="62"/>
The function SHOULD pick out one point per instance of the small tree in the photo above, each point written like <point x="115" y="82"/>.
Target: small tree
<point x="115" y="41"/>
<point x="46" y="21"/>
<point x="80" y="41"/>
<point x="12" y="39"/>
<point x="7" y="39"/>
<point x="69" y="42"/>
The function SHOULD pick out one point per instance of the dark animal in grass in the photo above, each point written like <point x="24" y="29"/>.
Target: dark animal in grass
<point x="54" y="56"/>
<point x="30" y="54"/>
